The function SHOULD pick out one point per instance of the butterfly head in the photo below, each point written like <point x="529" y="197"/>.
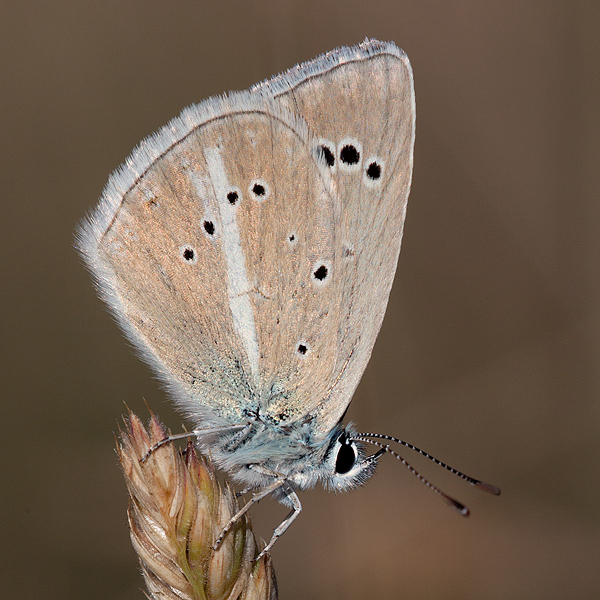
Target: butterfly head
<point x="346" y="464"/>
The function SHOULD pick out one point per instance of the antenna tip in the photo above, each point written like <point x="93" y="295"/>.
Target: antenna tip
<point x="460" y="508"/>
<point x="487" y="487"/>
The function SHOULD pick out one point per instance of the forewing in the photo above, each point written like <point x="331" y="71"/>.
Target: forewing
<point x="359" y="106"/>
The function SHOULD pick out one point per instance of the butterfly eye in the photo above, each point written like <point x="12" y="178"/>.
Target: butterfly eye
<point x="346" y="457"/>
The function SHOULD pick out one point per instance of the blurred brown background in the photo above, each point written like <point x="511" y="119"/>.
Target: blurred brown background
<point x="489" y="356"/>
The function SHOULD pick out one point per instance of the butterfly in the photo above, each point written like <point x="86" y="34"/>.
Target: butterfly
<point x="248" y="250"/>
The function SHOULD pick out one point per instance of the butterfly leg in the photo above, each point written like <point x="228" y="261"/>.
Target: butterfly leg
<point x="200" y="433"/>
<point x="282" y="528"/>
<point x="244" y="491"/>
<point x="255" y="498"/>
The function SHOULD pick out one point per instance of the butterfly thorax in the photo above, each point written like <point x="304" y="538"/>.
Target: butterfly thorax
<point x="258" y="448"/>
<point x="260" y="452"/>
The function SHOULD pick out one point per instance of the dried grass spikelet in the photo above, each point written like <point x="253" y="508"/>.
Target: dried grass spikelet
<point x="177" y="511"/>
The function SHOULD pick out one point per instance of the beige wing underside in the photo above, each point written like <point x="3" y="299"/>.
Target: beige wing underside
<point x="251" y="275"/>
<point x="374" y="107"/>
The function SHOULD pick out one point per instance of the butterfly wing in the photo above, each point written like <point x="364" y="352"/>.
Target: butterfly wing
<point x="359" y="105"/>
<point x="251" y="273"/>
<point x="190" y="246"/>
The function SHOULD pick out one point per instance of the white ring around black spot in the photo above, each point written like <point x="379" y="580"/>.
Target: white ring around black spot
<point x="234" y="196"/>
<point x="349" y="154"/>
<point x="152" y="203"/>
<point x="259" y="189"/>
<point x="209" y="228"/>
<point x="320" y="273"/>
<point x="302" y="348"/>
<point x="188" y="254"/>
<point x="373" y="171"/>
<point x="327" y="154"/>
